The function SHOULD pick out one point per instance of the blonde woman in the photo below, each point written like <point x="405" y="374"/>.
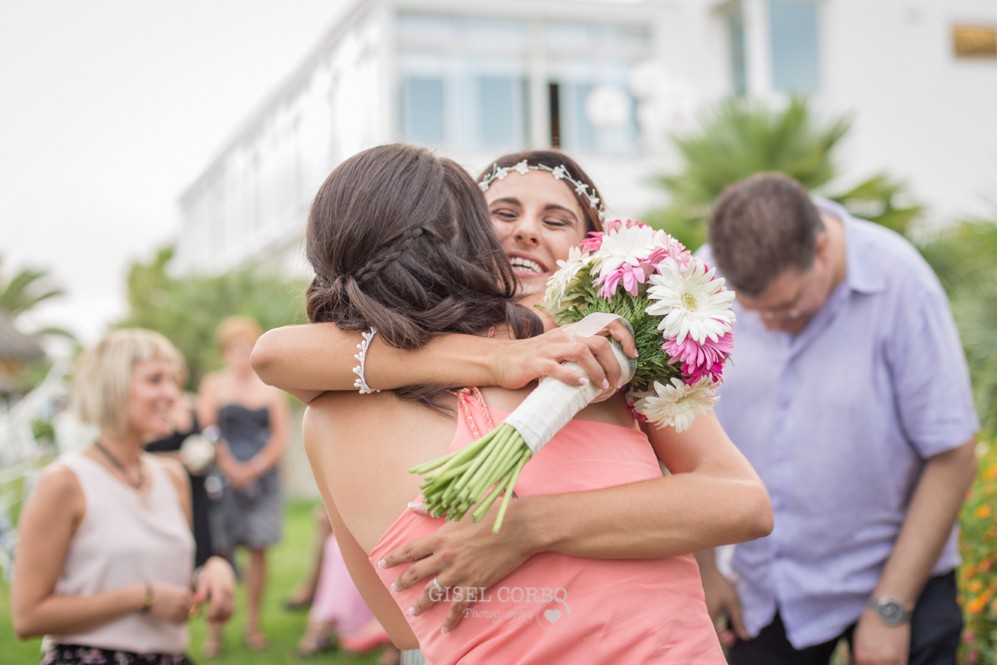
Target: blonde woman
<point x="105" y="556"/>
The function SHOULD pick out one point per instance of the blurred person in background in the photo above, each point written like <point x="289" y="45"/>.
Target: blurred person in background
<point x="848" y="391"/>
<point x="252" y="420"/>
<point x="185" y="444"/>
<point x="339" y="615"/>
<point x="104" y="567"/>
<point x="303" y="595"/>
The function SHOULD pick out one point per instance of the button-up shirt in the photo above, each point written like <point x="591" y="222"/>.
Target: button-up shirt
<point x="838" y="420"/>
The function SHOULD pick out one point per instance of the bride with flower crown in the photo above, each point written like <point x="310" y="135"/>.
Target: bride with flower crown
<point x="434" y="267"/>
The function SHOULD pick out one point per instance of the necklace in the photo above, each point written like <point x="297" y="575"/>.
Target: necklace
<point x="116" y="463"/>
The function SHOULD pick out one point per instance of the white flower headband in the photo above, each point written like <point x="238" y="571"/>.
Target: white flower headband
<point x="559" y="173"/>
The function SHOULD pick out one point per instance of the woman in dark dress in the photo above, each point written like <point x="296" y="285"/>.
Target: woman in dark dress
<point x="252" y="419"/>
<point x="185" y="424"/>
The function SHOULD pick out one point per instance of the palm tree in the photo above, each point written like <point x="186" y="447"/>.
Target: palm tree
<point x="25" y="291"/>
<point x="739" y="137"/>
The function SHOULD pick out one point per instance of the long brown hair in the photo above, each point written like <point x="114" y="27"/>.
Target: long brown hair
<point x="400" y="240"/>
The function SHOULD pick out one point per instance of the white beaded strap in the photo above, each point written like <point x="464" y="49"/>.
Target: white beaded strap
<point x="361" y="356"/>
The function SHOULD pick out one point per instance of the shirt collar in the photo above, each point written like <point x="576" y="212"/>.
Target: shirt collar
<point x="862" y="268"/>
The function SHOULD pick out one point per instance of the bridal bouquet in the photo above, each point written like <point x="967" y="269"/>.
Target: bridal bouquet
<point x="681" y="317"/>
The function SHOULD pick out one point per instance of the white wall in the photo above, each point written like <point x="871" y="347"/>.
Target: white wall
<point x="918" y="111"/>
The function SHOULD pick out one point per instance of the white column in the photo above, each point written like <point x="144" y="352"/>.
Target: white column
<point x="757" y="47"/>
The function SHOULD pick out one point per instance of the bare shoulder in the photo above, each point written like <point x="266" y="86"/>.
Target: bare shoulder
<point x="211" y="382"/>
<point x="58" y="481"/>
<point x="58" y="488"/>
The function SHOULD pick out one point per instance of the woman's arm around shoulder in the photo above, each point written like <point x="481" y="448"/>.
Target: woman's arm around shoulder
<point x="310" y="359"/>
<point x="711" y="496"/>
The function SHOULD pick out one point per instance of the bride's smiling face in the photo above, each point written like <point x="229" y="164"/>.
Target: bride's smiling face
<point x="537" y="219"/>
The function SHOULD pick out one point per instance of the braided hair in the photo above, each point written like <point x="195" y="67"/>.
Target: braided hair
<point x="400" y="240"/>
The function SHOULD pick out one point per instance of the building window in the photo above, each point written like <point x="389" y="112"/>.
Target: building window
<point x="791" y="52"/>
<point x="475" y="102"/>
<point x="573" y="127"/>
<point x="793" y="32"/>
<point x="465" y="83"/>
<point x="974" y="41"/>
<point x="500" y="111"/>
<point x="422" y="110"/>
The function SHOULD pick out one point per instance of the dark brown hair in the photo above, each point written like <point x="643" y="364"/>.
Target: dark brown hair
<point x="553" y="159"/>
<point x="760" y="227"/>
<point x="400" y="240"/>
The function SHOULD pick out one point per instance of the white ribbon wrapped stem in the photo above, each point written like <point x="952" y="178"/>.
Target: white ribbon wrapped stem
<point x="553" y="403"/>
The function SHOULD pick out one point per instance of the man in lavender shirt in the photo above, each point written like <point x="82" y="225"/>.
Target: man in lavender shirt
<point x="848" y="391"/>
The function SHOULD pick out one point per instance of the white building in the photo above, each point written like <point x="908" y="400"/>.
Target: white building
<point x="605" y="81"/>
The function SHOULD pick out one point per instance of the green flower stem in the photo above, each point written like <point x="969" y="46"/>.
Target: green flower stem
<point x="508" y="493"/>
<point x="500" y="489"/>
<point x="476" y="476"/>
<point x="499" y="456"/>
<point x="497" y="440"/>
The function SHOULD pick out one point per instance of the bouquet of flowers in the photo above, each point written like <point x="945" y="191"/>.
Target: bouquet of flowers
<point x="681" y="317"/>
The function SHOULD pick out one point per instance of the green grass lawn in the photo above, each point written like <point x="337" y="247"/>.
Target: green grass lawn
<point x="288" y="563"/>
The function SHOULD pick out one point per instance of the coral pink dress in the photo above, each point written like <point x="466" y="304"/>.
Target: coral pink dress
<point x="563" y="609"/>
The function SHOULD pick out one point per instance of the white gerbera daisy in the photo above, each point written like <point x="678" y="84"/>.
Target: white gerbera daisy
<point x="563" y="281"/>
<point x="628" y="244"/>
<point x="691" y="301"/>
<point x="677" y="404"/>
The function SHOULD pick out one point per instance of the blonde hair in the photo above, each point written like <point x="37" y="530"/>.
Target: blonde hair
<point x="104" y="372"/>
<point x="236" y="328"/>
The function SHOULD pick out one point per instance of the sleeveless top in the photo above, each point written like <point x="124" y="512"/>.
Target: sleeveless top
<point x="558" y="608"/>
<point x="124" y="538"/>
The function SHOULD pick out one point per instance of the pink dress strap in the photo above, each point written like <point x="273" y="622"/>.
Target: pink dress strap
<point x="473" y="409"/>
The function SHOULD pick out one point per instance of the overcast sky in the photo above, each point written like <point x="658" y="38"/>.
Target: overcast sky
<point x="110" y="108"/>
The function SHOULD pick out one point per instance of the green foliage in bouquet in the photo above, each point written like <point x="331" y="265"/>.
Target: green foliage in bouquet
<point x="653" y="365"/>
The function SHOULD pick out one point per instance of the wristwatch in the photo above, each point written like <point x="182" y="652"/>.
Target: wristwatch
<point x="890" y="610"/>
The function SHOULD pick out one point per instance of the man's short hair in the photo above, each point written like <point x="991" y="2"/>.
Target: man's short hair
<point x="760" y="227"/>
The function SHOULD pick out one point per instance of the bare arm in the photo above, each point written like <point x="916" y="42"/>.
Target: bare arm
<point x="712" y="497"/>
<point x="308" y="360"/>
<point x="933" y="510"/>
<point x="270" y="454"/>
<point x="208" y="402"/>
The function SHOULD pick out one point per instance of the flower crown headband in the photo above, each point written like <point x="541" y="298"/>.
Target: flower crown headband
<point x="559" y="173"/>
